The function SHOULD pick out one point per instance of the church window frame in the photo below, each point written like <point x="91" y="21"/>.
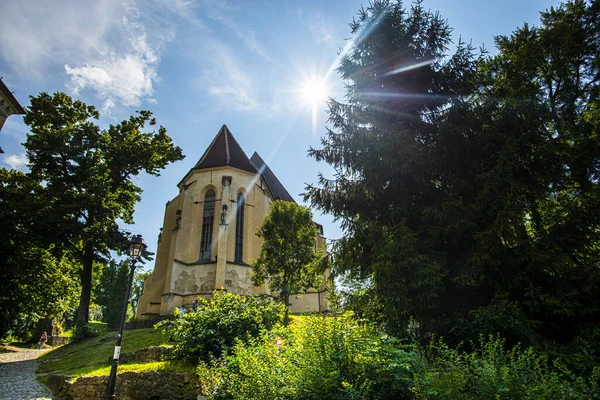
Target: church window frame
<point x="239" y="228"/>
<point x="208" y="217"/>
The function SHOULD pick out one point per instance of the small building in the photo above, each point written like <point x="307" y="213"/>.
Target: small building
<point x="9" y="105"/>
<point x="208" y="239"/>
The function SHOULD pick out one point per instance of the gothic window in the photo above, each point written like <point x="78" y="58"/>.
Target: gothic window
<point x="239" y="229"/>
<point x="207" y="225"/>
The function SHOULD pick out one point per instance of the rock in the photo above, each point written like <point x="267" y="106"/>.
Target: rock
<point x="150" y="385"/>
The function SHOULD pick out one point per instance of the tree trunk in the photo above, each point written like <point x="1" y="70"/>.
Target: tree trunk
<point x="83" y="312"/>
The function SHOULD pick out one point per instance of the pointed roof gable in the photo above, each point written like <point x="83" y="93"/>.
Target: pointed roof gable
<point x="276" y="188"/>
<point x="225" y="151"/>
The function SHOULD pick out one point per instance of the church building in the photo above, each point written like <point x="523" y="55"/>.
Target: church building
<point x="208" y="238"/>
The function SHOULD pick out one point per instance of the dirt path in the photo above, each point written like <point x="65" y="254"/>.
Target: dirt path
<point x="17" y="375"/>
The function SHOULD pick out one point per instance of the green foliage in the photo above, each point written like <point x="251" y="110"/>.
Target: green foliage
<point x="492" y="372"/>
<point x="38" y="278"/>
<point x="88" y="176"/>
<point x="218" y="323"/>
<point x="288" y="259"/>
<point x="335" y="358"/>
<point x="380" y="147"/>
<point x="320" y="358"/>
<point x="468" y="187"/>
<point x="137" y="289"/>
<point x="110" y="293"/>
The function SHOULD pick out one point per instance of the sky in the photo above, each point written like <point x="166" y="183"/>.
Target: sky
<point x="200" y="64"/>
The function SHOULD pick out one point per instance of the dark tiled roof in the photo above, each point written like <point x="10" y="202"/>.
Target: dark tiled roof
<point x="275" y="186"/>
<point x="225" y="150"/>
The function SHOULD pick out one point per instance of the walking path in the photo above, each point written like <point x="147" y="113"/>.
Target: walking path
<point x="17" y="375"/>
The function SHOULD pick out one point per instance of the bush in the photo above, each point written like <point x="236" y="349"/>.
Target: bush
<point x="492" y="372"/>
<point x="218" y="323"/>
<point x="321" y="358"/>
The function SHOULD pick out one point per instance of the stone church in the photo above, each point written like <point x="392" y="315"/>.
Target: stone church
<point x="208" y="239"/>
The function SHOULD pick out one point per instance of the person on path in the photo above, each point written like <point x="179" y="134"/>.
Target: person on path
<point x="194" y="305"/>
<point x="43" y="339"/>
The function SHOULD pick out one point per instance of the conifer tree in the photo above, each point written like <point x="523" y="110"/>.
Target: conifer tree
<point x="468" y="188"/>
<point x="399" y="81"/>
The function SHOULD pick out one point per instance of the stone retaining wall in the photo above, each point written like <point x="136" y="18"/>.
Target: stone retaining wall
<point x="145" y="323"/>
<point x="58" y="340"/>
<point x="150" y="385"/>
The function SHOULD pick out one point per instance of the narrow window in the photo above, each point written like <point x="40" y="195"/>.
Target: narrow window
<point x="239" y="229"/>
<point x="207" y="225"/>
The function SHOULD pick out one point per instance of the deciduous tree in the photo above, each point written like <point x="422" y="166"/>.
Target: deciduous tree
<point x="87" y="174"/>
<point x="289" y="260"/>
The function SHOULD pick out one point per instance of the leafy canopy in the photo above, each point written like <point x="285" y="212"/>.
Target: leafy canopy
<point x="88" y="175"/>
<point x="288" y="259"/>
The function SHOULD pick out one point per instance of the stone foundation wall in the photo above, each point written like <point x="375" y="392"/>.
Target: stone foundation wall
<point x="145" y="323"/>
<point x="58" y="340"/>
<point x="151" y="385"/>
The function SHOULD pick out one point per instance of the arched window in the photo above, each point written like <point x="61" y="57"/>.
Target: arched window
<point x="239" y="229"/>
<point x="207" y="225"/>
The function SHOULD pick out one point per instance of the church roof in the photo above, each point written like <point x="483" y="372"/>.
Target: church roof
<point x="225" y="151"/>
<point x="276" y="188"/>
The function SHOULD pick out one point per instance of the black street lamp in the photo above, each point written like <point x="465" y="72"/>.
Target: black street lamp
<point x="136" y="248"/>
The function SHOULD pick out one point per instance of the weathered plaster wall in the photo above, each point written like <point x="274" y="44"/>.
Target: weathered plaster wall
<point x="237" y="280"/>
<point x="309" y="302"/>
<point x="154" y="285"/>
<point x="193" y="279"/>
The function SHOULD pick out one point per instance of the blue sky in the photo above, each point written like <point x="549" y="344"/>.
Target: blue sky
<point x="201" y="64"/>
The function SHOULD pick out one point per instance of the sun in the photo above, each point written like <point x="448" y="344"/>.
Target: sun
<point x="314" y="91"/>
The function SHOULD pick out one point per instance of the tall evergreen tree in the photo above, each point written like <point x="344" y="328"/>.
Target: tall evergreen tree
<point x="470" y="200"/>
<point x="399" y="80"/>
<point x="87" y="174"/>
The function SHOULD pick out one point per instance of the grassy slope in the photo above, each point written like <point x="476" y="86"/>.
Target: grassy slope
<point x="90" y="357"/>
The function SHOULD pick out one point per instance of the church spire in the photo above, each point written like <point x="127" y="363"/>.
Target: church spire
<point x="225" y="151"/>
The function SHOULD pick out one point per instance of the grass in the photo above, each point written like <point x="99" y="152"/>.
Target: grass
<point x="90" y="357"/>
<point x="166" y="366"/>
<point x="100" y="327"/>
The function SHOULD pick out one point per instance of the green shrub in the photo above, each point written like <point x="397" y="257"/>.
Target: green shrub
<point x="218" y="323"/>
<point x="492" y="372"/>
<point x="320" y="358"/>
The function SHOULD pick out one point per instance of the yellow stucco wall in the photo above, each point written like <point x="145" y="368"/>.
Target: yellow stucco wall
<point x="179" y="275"/>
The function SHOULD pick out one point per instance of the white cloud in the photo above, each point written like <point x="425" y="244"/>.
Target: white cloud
<point x="227" y="81"/>
<point x="120" y="77"/>
<point x="36" y="34"/>
<point x="16" y="161"/>
<point x="110" y="47"/>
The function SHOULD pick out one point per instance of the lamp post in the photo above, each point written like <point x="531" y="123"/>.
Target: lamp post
<point x="136" y="248"/>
